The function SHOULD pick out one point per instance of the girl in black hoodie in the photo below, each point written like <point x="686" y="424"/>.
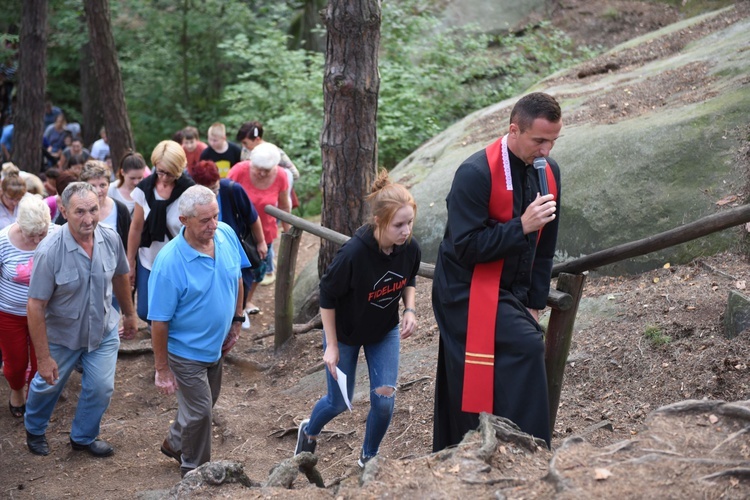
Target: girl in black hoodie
<point x="359" y="296"/>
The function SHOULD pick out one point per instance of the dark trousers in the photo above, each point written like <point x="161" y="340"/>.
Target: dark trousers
<point x="520" y="379"/>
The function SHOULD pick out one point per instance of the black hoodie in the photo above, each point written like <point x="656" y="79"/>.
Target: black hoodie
<point x="364" y="286"/>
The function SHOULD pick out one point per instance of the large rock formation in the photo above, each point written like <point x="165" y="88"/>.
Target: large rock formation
<point x="655" y="135"/>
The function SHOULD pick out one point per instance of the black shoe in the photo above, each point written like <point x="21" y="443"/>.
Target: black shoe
<point x="37" y="444"/>
<point x="304" y="443"/>
<point x="17" y="411"/>
<point x="185" y="470"/>
<point x="97" y="448"/>
<point x="168" y="451"/>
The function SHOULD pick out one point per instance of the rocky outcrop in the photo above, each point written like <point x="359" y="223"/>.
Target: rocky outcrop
<point x="653" y="136"/>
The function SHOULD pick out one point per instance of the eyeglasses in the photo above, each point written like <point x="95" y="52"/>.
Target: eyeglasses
<point x="163" y="173"/>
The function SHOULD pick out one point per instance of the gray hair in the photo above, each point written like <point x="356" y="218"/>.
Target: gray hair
<point x="79" y="189"/>
<point x="93" y="169"/>
<point x="33" y="215"/>
<point x="265" y="155"/>
<point x="194" y="195"/>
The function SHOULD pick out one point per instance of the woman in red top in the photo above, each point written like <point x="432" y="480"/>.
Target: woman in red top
<point x="265" y="184"/>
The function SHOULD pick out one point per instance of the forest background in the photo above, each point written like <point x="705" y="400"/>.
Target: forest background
<point x="189" y="62"/>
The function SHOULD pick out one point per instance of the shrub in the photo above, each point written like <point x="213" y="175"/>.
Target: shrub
<point x="655" y="336"/>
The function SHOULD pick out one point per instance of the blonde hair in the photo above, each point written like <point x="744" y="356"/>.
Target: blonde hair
<point x="13" y="186"/>
<point x="93" y="169"/>
<point x="34" y="184"/>
<point x="217" y="130"/>
<point x="33" y="215"/>
<point x="170" y="156"/>
<point x="385" y="199"/>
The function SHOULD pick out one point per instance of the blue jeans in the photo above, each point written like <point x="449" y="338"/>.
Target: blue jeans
<point x="97" y="385"/>
<point x="382" y="366"/>
<point x="141" y="288"/>
<point x="269" y="259"/>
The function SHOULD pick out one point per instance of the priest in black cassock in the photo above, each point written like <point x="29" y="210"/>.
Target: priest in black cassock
<point x="492" y="278"/>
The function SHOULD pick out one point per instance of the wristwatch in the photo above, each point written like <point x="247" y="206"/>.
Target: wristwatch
<point x="238" y="319"/>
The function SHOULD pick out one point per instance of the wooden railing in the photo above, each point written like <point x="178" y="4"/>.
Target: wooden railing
<point x="563" y="301"/>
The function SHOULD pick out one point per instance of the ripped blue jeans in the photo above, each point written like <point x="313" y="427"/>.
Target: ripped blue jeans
<point x="382" y="365"/>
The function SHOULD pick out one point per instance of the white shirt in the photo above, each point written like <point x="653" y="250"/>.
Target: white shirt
<point x="148" y="255"/>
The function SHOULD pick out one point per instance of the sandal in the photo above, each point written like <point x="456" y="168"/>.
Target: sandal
<point x="17" y="411"/>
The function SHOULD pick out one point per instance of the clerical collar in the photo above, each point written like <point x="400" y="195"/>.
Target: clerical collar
<point x="515" y="161"/>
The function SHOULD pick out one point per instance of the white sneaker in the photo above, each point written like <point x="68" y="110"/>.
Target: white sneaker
<point x="246" y="323"/>
<point x="268" y="280"/>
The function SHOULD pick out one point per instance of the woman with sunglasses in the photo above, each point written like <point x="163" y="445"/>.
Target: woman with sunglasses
<point x="156" y="217"/>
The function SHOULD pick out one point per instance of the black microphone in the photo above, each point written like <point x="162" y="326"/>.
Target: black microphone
<point x="540" y="164"/>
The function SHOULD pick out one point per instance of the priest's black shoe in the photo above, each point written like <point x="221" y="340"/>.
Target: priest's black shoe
<point x="98" y="448"/>
<point x="37" y="444"/>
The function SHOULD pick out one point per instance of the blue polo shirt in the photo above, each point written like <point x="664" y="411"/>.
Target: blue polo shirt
<point x="196" y="294"/>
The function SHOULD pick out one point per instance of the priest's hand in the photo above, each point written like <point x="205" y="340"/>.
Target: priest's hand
<point x="540" y="212"/>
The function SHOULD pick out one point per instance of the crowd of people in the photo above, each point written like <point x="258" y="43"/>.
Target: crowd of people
<point x="184" y="244"/>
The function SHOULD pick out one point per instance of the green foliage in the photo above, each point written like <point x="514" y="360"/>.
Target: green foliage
<point x="172" y="66"/>
<point x="432" y="76"/>
<point x="189" y="62"/>
<point x="283" y="90"/>
<point x="655" y="336"/>
<point x="611" y="13"/>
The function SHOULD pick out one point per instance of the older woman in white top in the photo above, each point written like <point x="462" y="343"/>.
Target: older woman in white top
<point x="17" y="244"/>
<point x="156" y="217"/>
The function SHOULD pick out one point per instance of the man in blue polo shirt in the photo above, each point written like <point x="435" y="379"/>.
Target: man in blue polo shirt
<point x="195" y="306"/>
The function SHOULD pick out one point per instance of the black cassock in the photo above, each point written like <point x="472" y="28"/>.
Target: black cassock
<point x="520" y="381"/>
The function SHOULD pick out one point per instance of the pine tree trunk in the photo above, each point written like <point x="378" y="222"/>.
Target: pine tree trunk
<point x="91" y="105"/>
<point x="119" y="134"/>
<point x="349" y="138"/>
<point x="32" y="80"/>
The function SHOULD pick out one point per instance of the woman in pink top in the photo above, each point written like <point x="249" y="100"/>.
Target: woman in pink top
<point x="265" y="184"/>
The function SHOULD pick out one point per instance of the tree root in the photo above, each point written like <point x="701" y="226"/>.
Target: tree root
<point x="246" y="365"/>
<point x="512" y="481"/>
<point x="735" y="410"/>
<point x="739" y="473"/>
<point x="689" y="406"/>
<point x="492" y="427"/>
<point x="622" y="445"/>
<point x="604" y="424"/>
<point x="298" y="329"/>
<point x="730" y="438"/>
<point x="656" y="457"/>
<point x="408" y="385"/>
<point x="553" y="476"/>
<point x="284" y="474"/>
<point x="286" y="431"/>
<point x="214" y="474"/>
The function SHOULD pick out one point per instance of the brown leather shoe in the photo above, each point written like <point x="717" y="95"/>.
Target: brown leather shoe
<point x="168" y="451"/>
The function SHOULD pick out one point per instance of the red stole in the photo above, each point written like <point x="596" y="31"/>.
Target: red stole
<point x="479" y="367"/>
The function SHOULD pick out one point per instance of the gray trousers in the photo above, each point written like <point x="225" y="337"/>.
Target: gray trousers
<point x="199" y="385"/>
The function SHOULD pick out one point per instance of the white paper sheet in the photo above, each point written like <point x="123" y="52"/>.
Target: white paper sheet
<point x="341" y="378"/>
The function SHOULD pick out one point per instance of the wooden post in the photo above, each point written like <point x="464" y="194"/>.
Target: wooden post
<point x="558" y="338"/>
<point x="285" y="268"/>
